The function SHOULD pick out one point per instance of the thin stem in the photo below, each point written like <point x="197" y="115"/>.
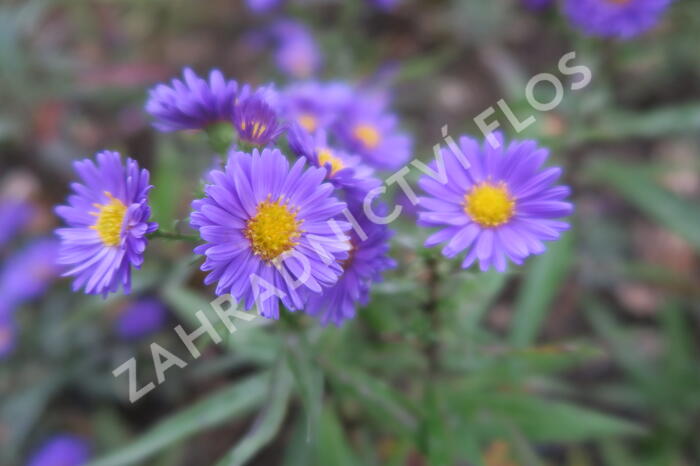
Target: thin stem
<point x="174" y="236"/>
<point x="431" y="350"/>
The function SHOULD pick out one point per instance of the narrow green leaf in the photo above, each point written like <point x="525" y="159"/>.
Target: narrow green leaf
<point x="379" y="399"/>
<point x="235" y="400"/>
<point x="268" y="423"/>
<point x="617" y="125"/>
<point x="298" y="450"/>
<point x="332" y="447"/>
<point x="22" y="409"/>
<point x="436" y="429"/>
<point x="308" y="379"/>
<point x="637" y="187"/>
<point x="556" y="421"/>
<point x="543" y="280"/>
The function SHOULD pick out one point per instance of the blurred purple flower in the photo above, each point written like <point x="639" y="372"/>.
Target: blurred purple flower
<point x="622" y="19"/>
<point x="369" y="130"/>
<point x="367" y="261"/>
<point x="14" y="216"/>
<point x="495" y="204"/>
<point x="141" y="318"/>
<point x="263" y="6"/>
<point x="107" y="221"/>
<point x="298" y="54"/>
<point x="61" y="450"/>
<point x="193" y="103"/>
<point x="386" y="5"/>
<point x="537" y="4"/>
<point x="28" y="273"/>
<point x="315" y="106"/>
<point x="256" y="119"/>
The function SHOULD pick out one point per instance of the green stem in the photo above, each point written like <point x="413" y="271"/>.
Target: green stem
<point x="221" y="136"/>
<point x="174" y="236"/>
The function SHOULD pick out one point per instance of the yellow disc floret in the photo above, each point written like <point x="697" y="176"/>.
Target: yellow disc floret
<point x="110" y="219"/>
<point x="273" y="230"/>
<point x="367" y="135"/>
<point x="257" y="130"/>
<point x="489" y="205"/>
<point x="326" y="156"/>
<point x="308" y="122"/>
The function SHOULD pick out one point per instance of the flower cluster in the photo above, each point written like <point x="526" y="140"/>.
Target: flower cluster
<point x="276" y="228"/>
<point x="285" y="220"/>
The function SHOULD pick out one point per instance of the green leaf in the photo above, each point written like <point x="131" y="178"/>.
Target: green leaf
<point x="233" y="401"/>
<point x="22" y="409"/>
<point x="618" y="125"/>
<point x="332" y="447"/>
<point x="637" y="187"/>
<point x="379" y="399"/>
<point x="298" y="450"/>
<point x="308" y="379"/>
<point x="546" y="275"/>
<point x="436" y="429"/>
<point x="556" y="421"/>
<point x="268" y="423"/>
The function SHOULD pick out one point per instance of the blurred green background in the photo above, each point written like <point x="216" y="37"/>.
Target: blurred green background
<point x="586" y="356"/>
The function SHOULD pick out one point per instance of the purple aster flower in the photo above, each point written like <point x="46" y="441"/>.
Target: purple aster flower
<point x="386" y="5"/>
<point x="537" y="4"/>
<point x="345" y="171"/>
<point x="141" y="318"/>
<point x="29" y="272"/>
<point x="263" y="6"/>
<point x="8" y="331"/>
<point x="503" y="206"/>
<point x="192" y="103"/>
<point x="367" y="129"/>
<point x="63" y="450"/>
<point x="14" y="216"/>
<point x="298" y="54"/>
<point x="256" y="120"/>
<point x="107" y="223"/>
<point x="268" y="231"/>
<point x="623" y="19"/>
<point x="316" y="106"/>
<point x="367" y="261"/>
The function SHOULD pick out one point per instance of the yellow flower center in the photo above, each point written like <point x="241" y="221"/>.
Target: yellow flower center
<point x="273" y="230"/>
<point x="489" y="205"/>
<point x="326" y="156"/>
<point x="258" y="129"/>
<point x="368" y="135"/>
<point x="308" y="122"/>
<point x="110" y="218"/>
